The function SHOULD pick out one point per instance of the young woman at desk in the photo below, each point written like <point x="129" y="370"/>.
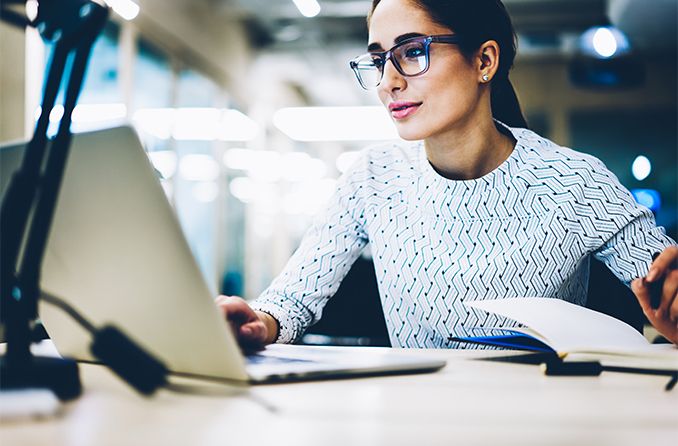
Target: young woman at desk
<point x="470" y="205"/>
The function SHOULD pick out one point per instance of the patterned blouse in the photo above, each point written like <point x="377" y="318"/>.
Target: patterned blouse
<point x="528" y="228"/>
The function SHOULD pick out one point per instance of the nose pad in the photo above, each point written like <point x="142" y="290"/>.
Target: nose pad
<point x="391" y="79"/>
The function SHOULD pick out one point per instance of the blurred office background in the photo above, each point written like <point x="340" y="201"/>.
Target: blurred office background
<point x="250" y="112"/>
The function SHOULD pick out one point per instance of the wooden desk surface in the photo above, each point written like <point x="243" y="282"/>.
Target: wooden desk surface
<point x="468" y="402"/>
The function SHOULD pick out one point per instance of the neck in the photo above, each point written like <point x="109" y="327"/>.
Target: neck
<point x="471" y="150"/>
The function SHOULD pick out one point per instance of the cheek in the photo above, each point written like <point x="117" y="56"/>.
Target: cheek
<point x="455" y="92"/>
<point x="383" y="96"/>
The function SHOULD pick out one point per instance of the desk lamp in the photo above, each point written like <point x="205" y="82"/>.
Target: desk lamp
<point x="27" y="211"/>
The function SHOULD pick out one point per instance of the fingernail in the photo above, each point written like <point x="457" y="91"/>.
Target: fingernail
<point x="246" y="330"/>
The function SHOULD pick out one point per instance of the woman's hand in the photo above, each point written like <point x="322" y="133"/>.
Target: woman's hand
<point x="253" y="329"/>
<point x="665" y="317"/>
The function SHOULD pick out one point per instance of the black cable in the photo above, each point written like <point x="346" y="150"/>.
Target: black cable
<point x="139" y="368"/>
<point x="72" y="312"/>
<point x="595" y="368"/>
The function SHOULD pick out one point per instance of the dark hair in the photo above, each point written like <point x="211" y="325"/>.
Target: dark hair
<point x="476" y="22"/>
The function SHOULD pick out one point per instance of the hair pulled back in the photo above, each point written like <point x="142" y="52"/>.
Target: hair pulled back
<point x="476" y="22"/>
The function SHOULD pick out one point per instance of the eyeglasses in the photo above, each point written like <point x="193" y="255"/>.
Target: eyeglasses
<point x="410" y="57"/>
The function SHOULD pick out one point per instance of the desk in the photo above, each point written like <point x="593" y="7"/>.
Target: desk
<point x="468" y="402"/>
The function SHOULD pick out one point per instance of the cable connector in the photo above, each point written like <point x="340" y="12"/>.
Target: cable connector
<point x="131" y="362"/>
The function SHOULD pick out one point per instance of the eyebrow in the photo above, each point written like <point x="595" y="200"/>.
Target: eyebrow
<point x="377" y="46"/>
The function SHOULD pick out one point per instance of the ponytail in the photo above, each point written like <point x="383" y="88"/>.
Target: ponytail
<point x="476" y="22"/>
<point x="505" y="104"/>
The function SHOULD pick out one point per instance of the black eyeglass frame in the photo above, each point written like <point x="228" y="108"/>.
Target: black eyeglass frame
<point x="385" y="56"/>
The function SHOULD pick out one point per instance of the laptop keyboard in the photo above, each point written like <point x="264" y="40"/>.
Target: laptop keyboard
<point x="271" y="360"/>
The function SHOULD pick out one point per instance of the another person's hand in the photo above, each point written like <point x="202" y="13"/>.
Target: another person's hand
<point x="665" y="317"/>
<point x="253" y="329"/>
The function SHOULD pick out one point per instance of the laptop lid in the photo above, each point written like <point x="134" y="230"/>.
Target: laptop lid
<point x="117" y="254"/>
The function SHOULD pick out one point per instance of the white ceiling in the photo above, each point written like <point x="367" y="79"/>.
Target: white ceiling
<point x="310" y="54"/>
<point x="650" y="22"/>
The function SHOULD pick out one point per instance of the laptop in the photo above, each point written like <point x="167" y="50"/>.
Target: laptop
<point x="117" y="253"/>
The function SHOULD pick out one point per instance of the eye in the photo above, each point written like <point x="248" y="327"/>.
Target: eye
<point x="414" y="51"/>
<point x="377" y="62"/>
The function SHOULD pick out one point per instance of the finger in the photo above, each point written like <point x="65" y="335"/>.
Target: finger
<point x="673" y="310"/>
<point x="229" y="307"/>
<point x="221" y="303"/>
<point x="668" y="292"/>
<point x="246" y="332"/>
<point x="642" y="293"/>
<point x="670" y="286"/>
<point x="236" y="309"/>
<point x="254" y="331"/>
<point x="222" y="299"/>
<point x="664" y="262"/>
<point x="252" y="336"/>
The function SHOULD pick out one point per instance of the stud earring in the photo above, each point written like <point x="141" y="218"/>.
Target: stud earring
<point x="486" y="78"/>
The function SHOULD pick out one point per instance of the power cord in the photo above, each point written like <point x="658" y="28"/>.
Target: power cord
<point x="112" y="347"/>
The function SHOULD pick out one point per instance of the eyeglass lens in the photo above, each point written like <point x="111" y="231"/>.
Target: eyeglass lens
<point x="410" y="59"/>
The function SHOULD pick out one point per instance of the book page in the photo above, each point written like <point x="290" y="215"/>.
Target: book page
<point x="567" y="327"/>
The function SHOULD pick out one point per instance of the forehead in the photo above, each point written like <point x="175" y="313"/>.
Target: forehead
<point x="393" y="18"/>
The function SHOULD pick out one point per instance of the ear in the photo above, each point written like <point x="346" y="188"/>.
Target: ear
<point x="487" y="61"/>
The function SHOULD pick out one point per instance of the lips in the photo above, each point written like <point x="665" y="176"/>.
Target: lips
<point x="403" y="109"/>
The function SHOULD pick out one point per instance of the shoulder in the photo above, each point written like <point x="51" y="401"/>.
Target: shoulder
<point x="540" y="159"/>
<point x="393" y="154"/>
<point x="380" y="170"/>
<point x="569" y="176"/>
<point x="542" y="152"/>
<point x="384" y="161"/>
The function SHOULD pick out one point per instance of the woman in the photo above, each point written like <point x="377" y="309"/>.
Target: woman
<point x="470" y="205"/>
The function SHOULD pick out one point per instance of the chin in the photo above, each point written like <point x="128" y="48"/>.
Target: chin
<point x="410" y="134"/>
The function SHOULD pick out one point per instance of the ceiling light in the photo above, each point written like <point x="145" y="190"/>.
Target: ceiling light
<point x="126" y="9"/>
<point x="196" y="124"/>
<point x="649" y="198"/>
<point x="198" y="167"/>
<point x="604" y="42"/>
<point x="205" y="191"/>
<point x="307" y="8"/>
<point x="641" y="168"/>
<point x="165" y="162"/>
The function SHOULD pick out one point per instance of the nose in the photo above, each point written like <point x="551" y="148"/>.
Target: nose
<point x="392" y="80"/>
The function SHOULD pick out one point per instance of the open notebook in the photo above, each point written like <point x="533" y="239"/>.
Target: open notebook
<point x="573" y="332"/>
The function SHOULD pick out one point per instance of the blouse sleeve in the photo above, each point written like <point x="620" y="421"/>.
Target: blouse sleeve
<point x="627" y="251"/>
<point x="310" y="278"/>
<point x="628" y="254"/>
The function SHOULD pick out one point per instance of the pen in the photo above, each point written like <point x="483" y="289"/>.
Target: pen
<point x="655" y="288"/>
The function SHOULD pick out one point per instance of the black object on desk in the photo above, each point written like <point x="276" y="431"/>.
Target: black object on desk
<point x="28" y="209"/>
<point x="595" y="368"/>
<point x="552" y="365"/>
<point x="28" y="205"/>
